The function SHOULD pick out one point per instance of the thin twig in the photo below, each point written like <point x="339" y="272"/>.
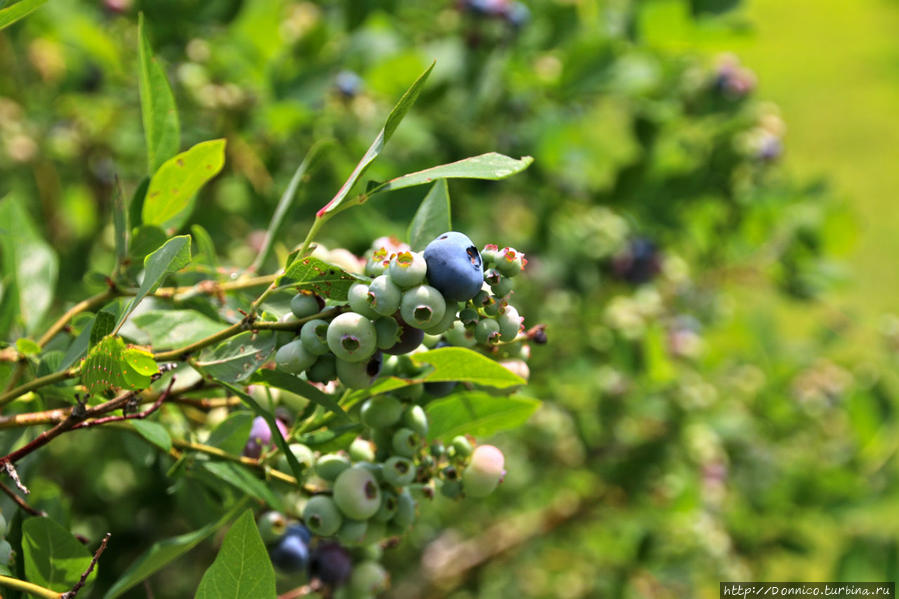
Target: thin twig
<point x="21" y="502"/>
<point x="14" y="475"/>
<point x="90" y="568"/>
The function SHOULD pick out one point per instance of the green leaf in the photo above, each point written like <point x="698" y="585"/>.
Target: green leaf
<point x="432" y="217"/>
<point x="284" y="203"/>
<point x="29" y="261"/>
<point x="238" y="358"/>
<point x="490" y="166"/>
<point x="172" y="256"/>
<point x="120" y="222"/>
<point x="393" y="120"/>
<point x="11" y="14"/>
<point x="153" y="432"/>
<point x="136" y="205"/>
<point x="145" y="240"/>
<point x="242" y="568"/>
<point x="167" y="551"/>
<point x="279" y="440"/>
<point x="53" y="557"/>
<point x="160" y="116"/>
<point x="205" y="247"/>
<point x="315" y="275"/>
<point x="176" y="182"/>
<point x="175" y="328"/>
<point x="331" y="435"/>
<point x="27" y="347"/>
<point x="288" y="382"/>
<point x="477" y="413"/>
<point x="242" y="479"/>
<point x="231" y="435"/>
<point x="461" y="364"/>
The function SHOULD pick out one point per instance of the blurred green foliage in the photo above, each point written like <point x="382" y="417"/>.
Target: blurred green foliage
<point x="683" y="439"/>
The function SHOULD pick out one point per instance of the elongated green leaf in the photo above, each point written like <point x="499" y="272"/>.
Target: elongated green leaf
<point x="167" y="551"/>
<point x="177" y="181"/>
<point x="172" y="256"/>
<point x="323" y="439"/>
<point x="120" y="222"/>
<point x="153" y="432"/>
<point x="272" y="425"/>
<point x="171" y="328"/>
<point x="460" y="364"/>
<point x="31" y="264"/>
<point x="242" y="568"/>
<point x="53" y="557"/>
<point x="288" y="382"/>
<point x="490" y="166"/>
<point x="238" y="358"/>
<point x="242" y="479"/>
<point x="160" y="116"/>
<point x="432" y="217"/>
<point x="205" y="247"/>
<point x="393" y="120"/>
<point x="231" y="435"/>
<point x="477" y="413"/>
<point x="11" y="14"/>
<point x="285" y="202"/>
<point x="320" y="277"/>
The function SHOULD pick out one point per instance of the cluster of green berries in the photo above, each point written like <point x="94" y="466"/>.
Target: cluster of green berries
<point x="450" y="289"/>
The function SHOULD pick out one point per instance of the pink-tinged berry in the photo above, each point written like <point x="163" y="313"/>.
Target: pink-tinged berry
<point x="484" y="472"/>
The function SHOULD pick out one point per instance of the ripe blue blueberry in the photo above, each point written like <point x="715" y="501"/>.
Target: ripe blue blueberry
<point x="322" y="516"/>
<point x="314" y="336"/>
<point x="357" y="494"/>
<point x="454" y="266"/>
<point x="348" y="84"/>
<point x="290" y="554"/>
<point x="352" y="337"/>
<point x="407" y="269"/>
<point x="304" y="304"/>
<point x="294" y="358"/>
<point x="638" y="263"/>
<point x="331" y="563"/>
<point x="359" y="375"/>
<point x="384" y="295"/>
<point x="422" y="307"/>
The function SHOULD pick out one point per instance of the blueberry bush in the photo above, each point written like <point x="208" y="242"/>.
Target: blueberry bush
<point x="238" y="360"/>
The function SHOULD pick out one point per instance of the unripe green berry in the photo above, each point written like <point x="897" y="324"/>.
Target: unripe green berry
<point x="272" y="526"/>
<point x="509" y="323"/>
<point x="374" y="468"/>
<point x="359" y="375"/>
<point x="357" y="494"/>
<point x="461" y="446"/>
<point x="405" y="510"/>
<point x="377" y="263"/>
<point x="352" y="337"/>
<point x="460" y="336"/>
<point x="376" y="531"/>
<point x="330" y="465"/>
<point x="294" y="358"/>
<point x="381" y="411"/>
<point x="410" y="392"/>
<point x="324" y="369"/>
<point x="357" y="298"/>
<point x="384" y="295"/>
<point x="407" y="269"/>
<point x="449" y="317"/>
<point x="352" y="532"/>
<point x="451" y="489"/>
<point x="304" y="305"/>
<point x="368" y="578"/>
<point x="314" y="336"/>
<point x="416" y="419"/>
<point x="484" y="472"/>
<point x="388" y="507"/>
<point x="399" y="471"/>
<point x="361" y="450"/>
<point x="321" y="515"/>
<point x="4" y="528"/>
<point x="487" y="332"/>
<point x="422" y="307"/>
<point x="510" y="262"/>
<point x="388" y="331"/>
<point x="504" y="287"/>
<point x="492" y="307"/>
<point x="469" y="316"/>
<point x="5" y="553"/>
<point x="405" y="442"/>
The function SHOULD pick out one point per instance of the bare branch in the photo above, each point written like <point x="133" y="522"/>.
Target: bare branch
<point x="71" y="594"/>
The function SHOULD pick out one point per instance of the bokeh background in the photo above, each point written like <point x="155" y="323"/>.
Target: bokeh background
<point x="712" y="243"/>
